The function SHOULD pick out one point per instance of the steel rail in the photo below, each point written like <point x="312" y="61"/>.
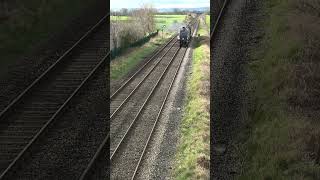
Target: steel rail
<point x="157" y="118"/>
<point x="102" y="146"/>
<point x="60" y="59"/>
<point x="137" y="72"/>
<point x="143" y="105"/>
<point x="112" y="115"/>
<point x="222" y="10"/>
<point x="144" y="78"/>
<point x="54" y="116"/>
<point x="158" y="115"/>
<point x="62" y="107"/>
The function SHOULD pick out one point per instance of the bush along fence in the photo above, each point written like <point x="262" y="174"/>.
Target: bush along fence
<point x="118" y="51"/>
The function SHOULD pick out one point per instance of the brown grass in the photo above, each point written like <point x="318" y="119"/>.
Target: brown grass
<point x="283" y="140"/>
<point x="304" y="23"/>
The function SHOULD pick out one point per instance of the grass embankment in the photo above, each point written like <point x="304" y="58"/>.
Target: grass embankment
<point x="121" y="65"/>
<point x="208" y="21"/>
<point x="193" y="154"/>
<point x="32" y="22"/>
<point x="282" y="141"/>
<point x="204" y="31"/>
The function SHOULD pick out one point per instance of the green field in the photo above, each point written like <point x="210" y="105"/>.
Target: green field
<point x="160" y="19"/>
<point x="122" y="18"/>
<point x="168" y="20"/>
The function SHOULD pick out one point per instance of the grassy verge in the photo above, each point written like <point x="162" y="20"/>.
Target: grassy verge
<point x="203" y="30"/>
<point x="121" y="65"/>
<point x="283" y="143"/>
<point x="208" y="20"/>
<point x="193" y="155"/>
<point x="32" y="22"/>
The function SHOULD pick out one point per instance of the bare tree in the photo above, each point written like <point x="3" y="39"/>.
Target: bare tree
<point x="145" y="18"/>
<point x="114" y="31"/>
<point x="124" y="12"/>
<point x="124" y="33"/>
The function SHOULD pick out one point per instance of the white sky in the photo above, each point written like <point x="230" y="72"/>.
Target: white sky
<point x="117" y="4"/>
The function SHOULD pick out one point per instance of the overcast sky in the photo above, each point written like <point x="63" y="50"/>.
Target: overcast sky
<point x="116" y="4"/>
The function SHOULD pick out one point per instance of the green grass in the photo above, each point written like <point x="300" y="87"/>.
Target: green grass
<point x="159" y="18"/>
<point x="276" y="140"/>
<point x="121" y="65"/>
<point x="193" y="148"/>
<point x="208" y="20"/>
<point x="18" y="35"/>
<point x="206" y="27"/>
<point x="121" y="18"/>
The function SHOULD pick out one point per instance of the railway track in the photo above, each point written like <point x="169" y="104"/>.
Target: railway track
<point x="131" y="145"/>
<point x="28" y="116"/>
<point x="138" y="100"/>
<point x="218" y="19"/>
<point x="123" y="94"/>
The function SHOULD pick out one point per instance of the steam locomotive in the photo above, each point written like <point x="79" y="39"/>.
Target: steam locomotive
<point x="185" y="36"/>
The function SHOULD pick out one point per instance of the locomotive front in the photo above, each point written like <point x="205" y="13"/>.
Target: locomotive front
<point x="184" y="36"/>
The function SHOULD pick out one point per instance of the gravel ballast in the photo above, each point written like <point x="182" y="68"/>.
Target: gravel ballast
<point x="68" y="145"/>
<point x="45" y="53"/>
<point x="237" y="33"/>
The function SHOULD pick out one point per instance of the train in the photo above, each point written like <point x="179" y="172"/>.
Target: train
<point x="184" y="36"/>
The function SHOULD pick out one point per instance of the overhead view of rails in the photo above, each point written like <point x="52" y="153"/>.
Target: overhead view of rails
<point x="141" y="99"/>
<point x="145" y="99"/>
<point x="32" y="122"/>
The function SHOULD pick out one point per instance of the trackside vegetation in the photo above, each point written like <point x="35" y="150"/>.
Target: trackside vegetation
<point x="193" y="154"/>
<point x="121" y="65"/>
<point x="128" y="59"/>
<point x="283" y="138"/>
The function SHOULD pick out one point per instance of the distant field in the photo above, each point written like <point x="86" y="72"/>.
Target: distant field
<point x="160" y="19"/>
<point x="168" y="20"/>
<point x="122" y="18"/>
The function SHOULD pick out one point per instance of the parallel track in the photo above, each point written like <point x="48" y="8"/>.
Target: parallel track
<point x="127" y="89"/>
<point x="29" y="115"/>
<point x="143" y="68"/>
<point x="119" y="99"/>
<point x="149" y="84"/>
<point x="146" y="115"/>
